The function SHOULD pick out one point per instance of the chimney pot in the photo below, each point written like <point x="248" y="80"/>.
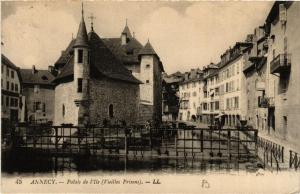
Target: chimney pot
<point x="33" y="69"/>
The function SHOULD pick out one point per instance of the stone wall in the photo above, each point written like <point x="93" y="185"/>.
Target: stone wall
<point x="65" y="94"/>
<point x="124" y="97"/>
<point x="145" y="113"/>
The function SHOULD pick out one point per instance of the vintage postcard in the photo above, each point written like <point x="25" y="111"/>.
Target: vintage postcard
<point x="150" y="97"/>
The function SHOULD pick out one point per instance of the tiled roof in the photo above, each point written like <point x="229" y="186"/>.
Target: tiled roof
<point x="102" y="60"/>
<point x="148" y="50"/>
<point x="127" y="32"/>
<point x="127" y="53"/>
<point x="66" y="55"/>
<point x="8" y="63"/>
<point x="39" y="77"/>
<point x="82" y="38"/>
<point x="105" y="61"/>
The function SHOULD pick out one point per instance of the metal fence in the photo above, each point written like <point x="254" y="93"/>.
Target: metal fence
<point x="135" y="141"/>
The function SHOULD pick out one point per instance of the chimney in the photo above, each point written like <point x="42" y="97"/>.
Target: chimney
<point x="33" y="69"/>
<point x="186" y="75"/>
<point x="52" y="70"/>
<point x="124" y="39"/>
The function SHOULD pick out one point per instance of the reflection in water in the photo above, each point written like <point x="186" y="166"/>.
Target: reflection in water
<point x="118" y="164"/>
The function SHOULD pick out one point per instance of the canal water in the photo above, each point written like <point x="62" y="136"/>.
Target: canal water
<point x="113" y="164"/>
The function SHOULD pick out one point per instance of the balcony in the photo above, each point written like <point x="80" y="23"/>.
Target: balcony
<point x="263" y="102"/>
<point x="281" y="64"/>
<point x="266" y="102"/>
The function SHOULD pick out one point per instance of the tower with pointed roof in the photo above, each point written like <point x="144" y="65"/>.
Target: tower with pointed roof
<point x="93" y="85"/>
<point x="81" y="72"/>
<point x="151" y="91"/>
<point x="126" y="35"/>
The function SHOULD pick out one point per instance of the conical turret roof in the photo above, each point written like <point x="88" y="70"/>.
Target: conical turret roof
<point x="147" y="50"/>
<point x="82" y="37"/>
<point x="127" y="32"/>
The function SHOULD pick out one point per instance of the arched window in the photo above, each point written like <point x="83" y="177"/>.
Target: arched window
<point x="63" y="110"/>
<point x="111" y="111"/>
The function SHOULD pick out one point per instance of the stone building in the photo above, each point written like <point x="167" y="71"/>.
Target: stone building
<point x="210" y="104"/>
<point x="255" y="71"/>
<point x="38" y="90"/>
<point x="232" y="93"/>
<point x="190" y="92"/>
<point x="283" y="70"/>
<point x="144" y="63"/>
<point x="93" y="85"/>
<point x="171" y="96"/>
<point x="10" y="92"/>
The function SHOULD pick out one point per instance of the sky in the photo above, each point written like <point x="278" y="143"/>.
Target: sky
<point x="184" y="34"/>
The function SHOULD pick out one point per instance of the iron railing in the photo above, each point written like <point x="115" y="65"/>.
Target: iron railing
<point x="137" y="141"/>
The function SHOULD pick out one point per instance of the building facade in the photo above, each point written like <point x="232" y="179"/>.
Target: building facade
<point x="231" y="82"/>
<point x="10" y="92"/>
<point x="170" y="101"/>
<point x="189" y="90"/>
<point x="38" y="91"/>
<point x="283" y="70"/>
<point x="92" y="85"/>
<point x="145" y="65"/>
<point x="255" y="71"/>
<point x="210" y="104"/>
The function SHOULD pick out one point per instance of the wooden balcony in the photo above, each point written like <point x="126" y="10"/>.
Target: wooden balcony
<point x="281" y="63"/>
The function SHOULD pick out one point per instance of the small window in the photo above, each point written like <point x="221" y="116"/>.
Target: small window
<point x="44" y="107"/>
<point x="7" y="101"/>
<point x="12" y="102"/>
<point x="147" y="82"/>
<point x="130" y="52"/>
<point x="80" y="56"/>
<point x="16" y="102"/>
<point x="7" y="72"/>
<point x="12" y="87"/>
<point x="12" y="74"/>
<point x="7" y="85"/>
<point x="16" y="87"/>
<point x="111" y="111"/>
<point x="148" y="66"/>
<point x="63" y="110"/>
<point x="37" y="106"/>
<point x="79" y="86"/>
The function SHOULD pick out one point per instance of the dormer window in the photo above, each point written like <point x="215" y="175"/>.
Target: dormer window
<point x="44" y="78"/>
<point x="80" y="56"/>
<point x="130" y="52"/>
